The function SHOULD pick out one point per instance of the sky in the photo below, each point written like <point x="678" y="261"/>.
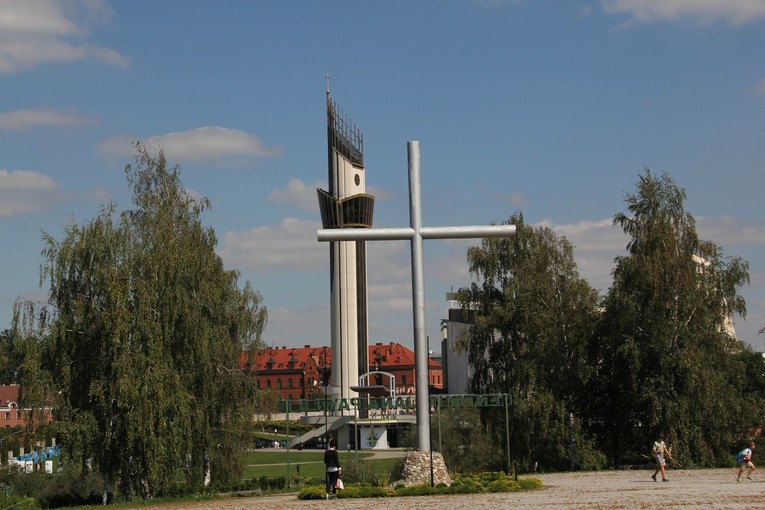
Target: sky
<point x="548" y="108"/>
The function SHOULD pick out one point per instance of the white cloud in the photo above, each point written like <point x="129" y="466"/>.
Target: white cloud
<point x="759" y="89"/>
<point x="590" y="235"/>
<point x="513" y="199"/>
<point x="25" y="180"/>
<point x="24" y="120"/>
<point x="728" y="230"/>
<point x="196" y="145"/>
<point x="290" y="252"/>
<point x="299" y="194"/>
<point x="41" y="31"/>
<point x="597" y="243"/>
<point x="297" y="326"/>
<point x="23" y="191"/>
<point x="733" y="12"/>
<point x="99" y="194"/>
<point x="291" y="245"/>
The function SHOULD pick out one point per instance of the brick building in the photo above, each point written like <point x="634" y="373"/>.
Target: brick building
<point x="11" y="413"/>
<point x="297" y="372"/>
<point x="398" y="361"/>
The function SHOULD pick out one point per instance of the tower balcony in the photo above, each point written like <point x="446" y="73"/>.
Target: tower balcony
<point x="355" y="211"/>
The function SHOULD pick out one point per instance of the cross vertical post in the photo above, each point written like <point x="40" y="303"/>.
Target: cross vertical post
<point x="422" y="384"/>
<point x="416" y="233"/>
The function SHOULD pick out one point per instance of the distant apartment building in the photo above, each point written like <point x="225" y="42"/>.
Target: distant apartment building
<point x="457" y="369"/>
<point x="728" y="327"/>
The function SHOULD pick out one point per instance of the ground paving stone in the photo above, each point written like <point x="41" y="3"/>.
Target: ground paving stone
<point x="605" y="490"/>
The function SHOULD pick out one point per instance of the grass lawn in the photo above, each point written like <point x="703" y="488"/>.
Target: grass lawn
<point x="273" y="462"/>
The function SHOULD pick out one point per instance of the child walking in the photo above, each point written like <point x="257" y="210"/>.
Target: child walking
<point x="659" y="450"/>
<point x="744" y="459"/>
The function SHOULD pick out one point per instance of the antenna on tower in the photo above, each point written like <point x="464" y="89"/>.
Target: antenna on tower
<point x="328" y="78"/>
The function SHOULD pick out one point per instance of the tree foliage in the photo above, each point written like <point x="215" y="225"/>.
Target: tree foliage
<point x="11" y="356"/>
<point x="142" y="335"/>
<point x="465" y="441"/>
<point x="664" y="357"/>
<point x="533" y="316"/>
<point x="592" y="376"/>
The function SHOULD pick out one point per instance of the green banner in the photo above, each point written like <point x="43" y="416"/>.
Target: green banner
<point x="381" y="403"/>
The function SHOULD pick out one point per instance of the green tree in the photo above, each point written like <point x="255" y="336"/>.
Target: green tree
<point x="11" y="357"/>
<point x="143" y="333"/>
<point x="464" y="441"/>
<point x="533" y="316"/>
<point x="665" y="357"/>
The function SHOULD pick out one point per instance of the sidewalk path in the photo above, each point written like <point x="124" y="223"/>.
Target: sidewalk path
<point x="634" y="489"/>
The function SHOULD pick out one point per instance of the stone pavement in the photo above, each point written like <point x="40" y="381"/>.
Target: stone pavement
<point x="633" y="489"/>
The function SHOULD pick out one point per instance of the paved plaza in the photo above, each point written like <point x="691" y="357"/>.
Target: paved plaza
<point x="632" y="489"/>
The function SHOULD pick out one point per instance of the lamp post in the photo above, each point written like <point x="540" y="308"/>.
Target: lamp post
<point x="325" y="382"/>
<point x="326" y="419"/>
<point x="430" y="417"/>
<point x="289" y="485"/>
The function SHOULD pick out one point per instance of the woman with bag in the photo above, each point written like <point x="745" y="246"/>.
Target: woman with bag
<point x="332" y="462"/>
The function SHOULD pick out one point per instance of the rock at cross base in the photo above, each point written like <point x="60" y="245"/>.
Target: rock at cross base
<point x="417" y="469"/>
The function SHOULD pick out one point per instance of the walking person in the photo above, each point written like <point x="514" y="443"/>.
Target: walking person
<point x="744" y="459"/>
<point x="332" y="463"/>
<point x="659" y="450"/>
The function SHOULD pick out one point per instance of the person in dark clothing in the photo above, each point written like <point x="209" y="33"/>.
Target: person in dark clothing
<point x="332" y="462"/>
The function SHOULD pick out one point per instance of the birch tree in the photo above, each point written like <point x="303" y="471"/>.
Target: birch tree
<point x="533" y="317"/>
<point x="144" y="328"/>
<point x="666" y="358"/>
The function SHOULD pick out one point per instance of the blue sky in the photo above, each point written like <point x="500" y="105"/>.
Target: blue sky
<point x="547" y="107"/>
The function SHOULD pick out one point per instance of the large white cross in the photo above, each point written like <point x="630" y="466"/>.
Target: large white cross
<point x="416" y="233"/>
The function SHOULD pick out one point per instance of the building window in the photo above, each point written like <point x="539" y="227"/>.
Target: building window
<point x="403" y="380"/>
<point x="290" y="383"/>
<point x="268" y="383"/>
<point x="279" y="383"/>
<point x="7" y="416"/>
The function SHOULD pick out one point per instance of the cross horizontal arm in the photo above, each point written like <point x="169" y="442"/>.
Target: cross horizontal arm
<point x="467" y="232"/>
<point x="403" y="234"/>
<point x="365" y="234"/>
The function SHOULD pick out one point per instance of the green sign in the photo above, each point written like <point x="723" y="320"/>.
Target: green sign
<point x="380" y="403"/>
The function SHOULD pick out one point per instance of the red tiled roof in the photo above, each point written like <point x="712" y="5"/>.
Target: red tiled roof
<point x="8" y="394"/>
<point x="383" y="355"/>
<point x="285" y="358"/>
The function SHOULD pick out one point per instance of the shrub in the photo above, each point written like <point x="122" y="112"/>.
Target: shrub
<point x="503" y="485"/>
<point x="468" y="484"/>
<point x="19" y="503"/>
<point x="311" y="492"/>
<point x="68" y="488"/>
<point x="363" y="491"/>
<point x="463" y="488"/>
<point x="529" y="483"/>
<point x="418" y="490"/>
<point x="272" y="482"/>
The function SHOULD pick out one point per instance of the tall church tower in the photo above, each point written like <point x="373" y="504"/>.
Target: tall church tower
<point x="346" y="205"/>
